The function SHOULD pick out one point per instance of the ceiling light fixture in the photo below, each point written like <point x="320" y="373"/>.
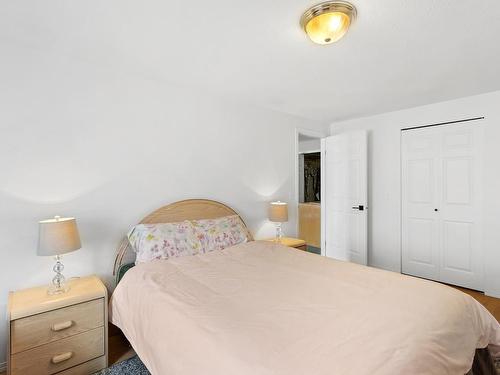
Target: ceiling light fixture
<point x="328" y="22"/>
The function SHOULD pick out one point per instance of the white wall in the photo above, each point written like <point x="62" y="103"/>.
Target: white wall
<point x="108" y="148"/>
<point x="384" y="176"/>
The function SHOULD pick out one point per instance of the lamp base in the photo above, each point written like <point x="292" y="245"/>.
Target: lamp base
<point x="279" y="233"/>
<point x="53" y="290"/>
<point x="58" y="285"/>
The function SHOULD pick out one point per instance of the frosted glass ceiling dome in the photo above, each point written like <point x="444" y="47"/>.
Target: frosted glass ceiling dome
<point x="328" y="22"/>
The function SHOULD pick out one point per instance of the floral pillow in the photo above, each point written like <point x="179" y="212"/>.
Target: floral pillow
<point x="217" y="234"/>
<point x="163" y="241"/>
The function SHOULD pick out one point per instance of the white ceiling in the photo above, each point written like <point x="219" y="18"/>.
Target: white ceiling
<point x="398" y="53"/>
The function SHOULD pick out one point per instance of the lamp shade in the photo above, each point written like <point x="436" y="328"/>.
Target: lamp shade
<point x="58" y="236"/>
<point x="278" y="212"/>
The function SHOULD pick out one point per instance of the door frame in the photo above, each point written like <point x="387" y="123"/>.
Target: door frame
<point x="310" y="133"/>
<point x="322" y="189"/>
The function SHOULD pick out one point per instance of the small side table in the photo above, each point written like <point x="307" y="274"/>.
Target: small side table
<point x="62" y="334"/>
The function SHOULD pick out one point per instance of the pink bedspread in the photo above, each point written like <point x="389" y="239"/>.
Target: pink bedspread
<point x="260" y="309"/>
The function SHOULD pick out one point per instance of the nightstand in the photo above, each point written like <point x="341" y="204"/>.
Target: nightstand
<point x="291" y="242"/>
<point x="64" y="334"/>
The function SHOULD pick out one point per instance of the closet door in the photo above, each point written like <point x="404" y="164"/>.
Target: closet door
<point x="420" y="221"/>
<point x="442" y="203"/>
<point x="461" y="205"/>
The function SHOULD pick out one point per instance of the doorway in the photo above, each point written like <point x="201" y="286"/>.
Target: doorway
<point x="308" y="172"/>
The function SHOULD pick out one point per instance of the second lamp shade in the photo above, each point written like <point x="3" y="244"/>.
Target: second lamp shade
<point x="278" y="212"/>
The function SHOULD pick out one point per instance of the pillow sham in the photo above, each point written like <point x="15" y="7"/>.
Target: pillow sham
<point x="220" y="233"/>
<point x="163" y="241"/>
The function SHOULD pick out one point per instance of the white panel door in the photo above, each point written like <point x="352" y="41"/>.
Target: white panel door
<point x="461" y="205"/>
<point x="442" y="203"/>
<point x="420" y="227"/>
<point x="344" y="197"/>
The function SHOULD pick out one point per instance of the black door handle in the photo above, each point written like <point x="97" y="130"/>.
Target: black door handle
<point x="360" y="207"/>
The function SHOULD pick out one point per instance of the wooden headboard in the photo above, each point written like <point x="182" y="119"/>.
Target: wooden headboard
<point x="190" y="209"/>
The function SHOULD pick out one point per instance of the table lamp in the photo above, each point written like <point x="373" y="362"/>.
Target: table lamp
<point x="58" y="236"/>
<point x="278" y="214"/>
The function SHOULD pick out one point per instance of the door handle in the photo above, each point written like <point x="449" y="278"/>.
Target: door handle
<point x="360" y="207"/>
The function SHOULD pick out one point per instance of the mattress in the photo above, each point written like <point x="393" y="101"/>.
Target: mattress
<point x="262" y="308"/>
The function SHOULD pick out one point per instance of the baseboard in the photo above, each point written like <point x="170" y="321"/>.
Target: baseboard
<point x="3" y="366"/>
<point x="492" y="293"/>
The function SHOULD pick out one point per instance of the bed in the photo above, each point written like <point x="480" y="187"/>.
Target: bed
<point x="262" y="308"/>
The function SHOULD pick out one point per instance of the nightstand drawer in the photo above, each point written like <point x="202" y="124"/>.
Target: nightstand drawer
<point x="36" y="330"/>
<point x="87" y="368"/>
<point x="60" y="355"/>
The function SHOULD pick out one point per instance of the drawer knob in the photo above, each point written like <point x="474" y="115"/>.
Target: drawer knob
<point x="60" y="326"/>
<point x="61" y="357"/>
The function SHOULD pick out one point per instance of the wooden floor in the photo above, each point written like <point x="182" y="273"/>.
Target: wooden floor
<point x="120" y="349"/>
